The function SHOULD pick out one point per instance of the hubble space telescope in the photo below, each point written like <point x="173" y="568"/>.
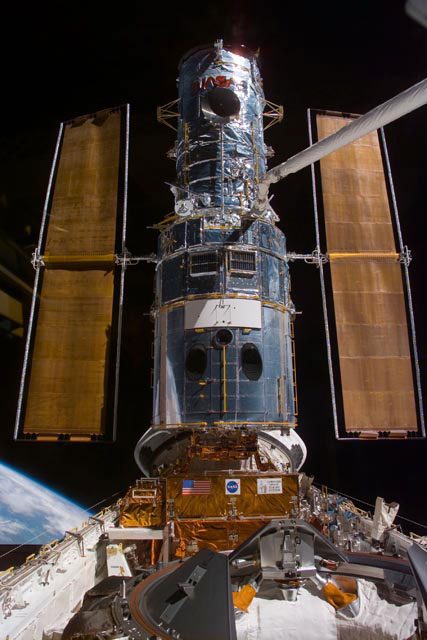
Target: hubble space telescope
<point x="221" y="510"/>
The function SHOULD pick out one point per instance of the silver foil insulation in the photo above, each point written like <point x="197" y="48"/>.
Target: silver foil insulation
<point x="221" y="155"/>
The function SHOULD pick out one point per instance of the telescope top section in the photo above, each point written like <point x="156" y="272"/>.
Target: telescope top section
<point x="220" y="151"/>
<point x="236" y="49"/>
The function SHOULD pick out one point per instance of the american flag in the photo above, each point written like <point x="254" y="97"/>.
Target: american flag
<point x="196" y="487"/>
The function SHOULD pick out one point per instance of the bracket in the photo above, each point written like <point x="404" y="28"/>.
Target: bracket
<point x="80" y="540"/>
<point x="127" y="259"/>
<point x="37" y="259"/>
<point x="405" y="256"/>
<point x="168" y="112"/>
<point x="273" y="112"/>
<point x="316" y="257"/>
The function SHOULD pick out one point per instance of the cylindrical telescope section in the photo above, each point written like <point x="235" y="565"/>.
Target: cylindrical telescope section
<point x="220" y="144"/>
<point x="224" y="372"/>
<point x="223" y="337"/>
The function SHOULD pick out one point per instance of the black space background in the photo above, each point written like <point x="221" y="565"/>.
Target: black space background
<point x="60" y="60"/>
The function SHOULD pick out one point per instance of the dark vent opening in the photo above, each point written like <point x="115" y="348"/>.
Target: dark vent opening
<point x="223" y="337"/>
<point x="223" y="102"/>
<point x="196" y="362"/>
<point x="251" y="361"/>
<point x="242" y="262"/>
<point x="203" y="263"/>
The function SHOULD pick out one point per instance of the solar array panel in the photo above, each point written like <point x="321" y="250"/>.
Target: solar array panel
<point x="73" y="341"/>
<point x="368" y="307"/>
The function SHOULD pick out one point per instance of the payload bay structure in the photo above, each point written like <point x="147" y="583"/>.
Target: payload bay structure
<point x="221" y="457"/>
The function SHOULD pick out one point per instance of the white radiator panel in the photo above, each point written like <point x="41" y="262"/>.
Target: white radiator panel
<point x="223" y="312"/>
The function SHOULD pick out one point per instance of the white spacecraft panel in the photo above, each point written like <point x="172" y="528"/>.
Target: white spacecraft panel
<point x="267" y="617"/>
<point x="223" y="312"/>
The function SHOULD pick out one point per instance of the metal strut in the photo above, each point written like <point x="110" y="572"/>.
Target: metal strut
<point x="405" y="256"/>
<point x="37" y="259"/>
<point x="316" y="257"/>
<point x="274" y="113"/>
<point x="405" y="260"/>
<point x="168" y="112"/>
<point x="80" y="540"/>
<point x="127" y="259"/>
<point x="322" y="286"/>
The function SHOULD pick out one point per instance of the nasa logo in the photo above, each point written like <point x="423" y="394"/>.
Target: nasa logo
<point x="210" y="82"/>
<point x="232" y="487"/>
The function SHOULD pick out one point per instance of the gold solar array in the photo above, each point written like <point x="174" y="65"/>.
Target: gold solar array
<point x="66" y="393"/>
<point x="369" y="303"/>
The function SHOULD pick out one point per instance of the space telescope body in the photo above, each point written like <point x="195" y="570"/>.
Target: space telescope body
<point x="222" y="539"/>
<point x="224" y="365"/>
